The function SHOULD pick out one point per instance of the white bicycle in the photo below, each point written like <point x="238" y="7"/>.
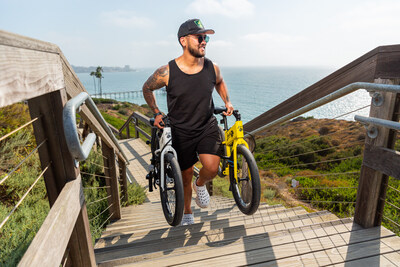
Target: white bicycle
<point x="164" y="172"/>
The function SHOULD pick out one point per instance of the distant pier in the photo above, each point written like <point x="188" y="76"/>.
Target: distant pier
<point x="125" y="94"/>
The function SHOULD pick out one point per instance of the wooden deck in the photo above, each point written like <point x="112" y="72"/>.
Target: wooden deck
<point x="223" y="236"/>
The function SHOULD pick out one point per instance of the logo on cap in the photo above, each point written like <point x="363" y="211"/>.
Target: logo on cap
<point x="198" y="23"/>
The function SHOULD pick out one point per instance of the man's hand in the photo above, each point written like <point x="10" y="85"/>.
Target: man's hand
<point x="158" y="120"/>
<point x="229" y="109"/>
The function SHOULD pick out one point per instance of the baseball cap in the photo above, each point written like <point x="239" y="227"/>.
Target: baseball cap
<point x="193" y="26"/>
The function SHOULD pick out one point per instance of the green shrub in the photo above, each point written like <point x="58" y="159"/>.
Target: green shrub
<point x="136" y="195"/>
<point x="104" y="101"/>
<point x="269" y="193"/>
<point x="123" y="112"/>
<point x="221" y="187"/>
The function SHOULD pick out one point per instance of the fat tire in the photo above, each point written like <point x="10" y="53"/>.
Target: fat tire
<point x="251" y="206"/>
<point x="174" y="217"/>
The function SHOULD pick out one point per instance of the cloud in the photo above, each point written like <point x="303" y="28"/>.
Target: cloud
<point x="228" y="8"/>
<point x="221" y="43"/>
<point x="372" y="17"/>
<point x="148" y="44"/>
<point x="273" y="38"/>
<point x="127" y="19"/>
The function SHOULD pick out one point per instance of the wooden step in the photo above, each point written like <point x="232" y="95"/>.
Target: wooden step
<point x="316" y="247"/>
<point x="195" y="236"/>
<point x="384" y="259"/>
<point x="214" y="204"/>
<point x="267" y="213"/>
<point x="197" y="213"/>
<point x="145" y="211"/>
<point x="299" y="217"/>
<point x="226" y="247"/>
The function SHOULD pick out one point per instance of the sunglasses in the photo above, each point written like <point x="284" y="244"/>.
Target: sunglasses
<point x="202" y="38"/>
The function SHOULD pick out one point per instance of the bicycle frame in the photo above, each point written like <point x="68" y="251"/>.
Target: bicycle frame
<point x="165" y="144"/>
<point x="234" y="136"/>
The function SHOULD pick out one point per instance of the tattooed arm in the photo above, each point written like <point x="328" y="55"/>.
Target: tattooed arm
<point x="156" y="81"/>
<point x="222" y="90"/>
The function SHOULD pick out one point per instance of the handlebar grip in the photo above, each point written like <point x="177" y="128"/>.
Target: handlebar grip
<point x="219" y="110"/>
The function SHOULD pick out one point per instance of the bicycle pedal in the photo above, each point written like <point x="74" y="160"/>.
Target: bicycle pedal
<point x="148" y="142"/>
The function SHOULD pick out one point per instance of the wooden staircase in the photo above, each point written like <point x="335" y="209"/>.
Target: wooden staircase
<point x="223" y="236"/>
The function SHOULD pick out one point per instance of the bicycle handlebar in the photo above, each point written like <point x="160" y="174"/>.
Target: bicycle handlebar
<point x="164" y="119"/>
<point x="219" y="110"/>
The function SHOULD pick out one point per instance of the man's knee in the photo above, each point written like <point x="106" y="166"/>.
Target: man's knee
<point x="212" y="169"/>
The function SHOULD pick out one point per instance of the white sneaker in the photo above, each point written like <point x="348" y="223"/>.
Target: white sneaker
<point x="187" y="219"/>
<point x="202" y="198"/>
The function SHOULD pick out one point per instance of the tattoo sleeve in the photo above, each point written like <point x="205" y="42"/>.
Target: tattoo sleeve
<point x="154" y="82"/>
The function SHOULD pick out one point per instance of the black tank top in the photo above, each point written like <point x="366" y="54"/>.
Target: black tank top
<point x="189" y="99"/>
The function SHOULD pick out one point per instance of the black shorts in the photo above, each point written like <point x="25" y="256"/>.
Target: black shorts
<point x="188" y="148"/>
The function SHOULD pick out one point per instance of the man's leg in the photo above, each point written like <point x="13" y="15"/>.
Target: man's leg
<point x="210" y="168"/>
<point x="187" y="176"/>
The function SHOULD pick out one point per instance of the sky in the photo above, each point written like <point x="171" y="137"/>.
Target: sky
<point x="328" y="33"/>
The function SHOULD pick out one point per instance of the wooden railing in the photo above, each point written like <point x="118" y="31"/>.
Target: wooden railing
<point x="135" y="118"/>
<point x="381" y="65"/>
<point x="37" y="72"/>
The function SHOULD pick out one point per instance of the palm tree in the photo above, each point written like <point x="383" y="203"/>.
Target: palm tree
<point x="94" y="81"/>
<point x="99" y="76"/>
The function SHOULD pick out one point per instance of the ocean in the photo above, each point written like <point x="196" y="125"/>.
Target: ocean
<point x="252" y="90"/>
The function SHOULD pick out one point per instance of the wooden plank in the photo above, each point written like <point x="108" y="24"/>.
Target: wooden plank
<point x="143" y="132"/>
<point x="82" y="240"/>
<point x="50" y="127"/>
<point x="25" y="74"/>
<point x="127" y="122"/>
<point x="271" y="247"/>
<point x="320" y="249"/>
<point x="19" y="41"/>
<point x="124" y="183"/>
<point x="113" y="190"/>
<point x="382" y="159"/>
<point x="142" y="118"/>
<point x="388" y="63"/>
<point x="55" y="150"/>
<point x="370" y="191"/>
<point x="49" y="244"/>
<point x="385" y="259"/>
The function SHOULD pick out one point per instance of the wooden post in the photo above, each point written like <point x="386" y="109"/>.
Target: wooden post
<point x="373" y="184"/>
<point x="62" y="168"/>
<point x="113" y="190"/>
<point x="136" y="127"/>
<point x="128" y="135"/>
<point x="124" y="183"/>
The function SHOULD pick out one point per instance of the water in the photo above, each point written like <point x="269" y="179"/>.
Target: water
<point x="252" y="90"/>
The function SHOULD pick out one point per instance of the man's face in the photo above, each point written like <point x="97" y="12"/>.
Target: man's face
<point x="197" y="45"/>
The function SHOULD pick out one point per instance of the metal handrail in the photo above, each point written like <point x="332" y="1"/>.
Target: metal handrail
<point x="370" y="87"/>
<point x="379" y="122"/>
<point x="71" y="132"/>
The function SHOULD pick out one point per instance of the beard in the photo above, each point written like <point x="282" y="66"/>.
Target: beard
<point x="195" y="53"/>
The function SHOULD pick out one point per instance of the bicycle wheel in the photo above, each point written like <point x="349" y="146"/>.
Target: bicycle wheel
<point x="222" y="164"/>
<point x="246" y="191"/>
<point x="172" y="196"/>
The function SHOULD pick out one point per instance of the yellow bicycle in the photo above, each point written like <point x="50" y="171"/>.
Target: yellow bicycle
<point x="239" y="164"/>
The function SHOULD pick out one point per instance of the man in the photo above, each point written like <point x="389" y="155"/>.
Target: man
<point x="190" y="80"/>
